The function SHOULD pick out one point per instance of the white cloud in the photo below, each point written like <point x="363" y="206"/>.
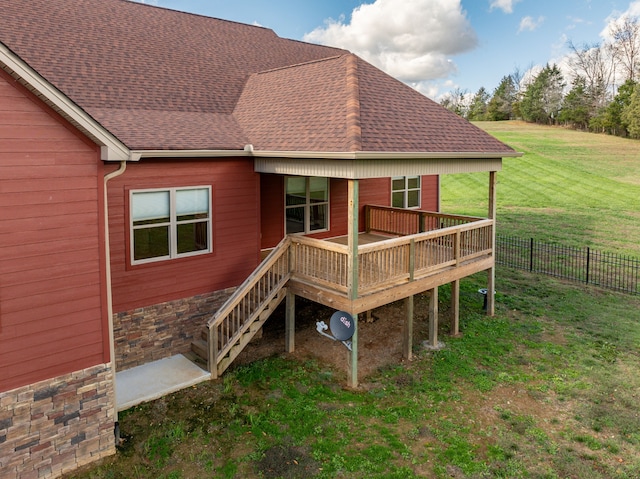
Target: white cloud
<point x="530" y="24"/>
<point x="616" y="16"/>
<point x="505" y="5"/>
<point x="411" y="40"/>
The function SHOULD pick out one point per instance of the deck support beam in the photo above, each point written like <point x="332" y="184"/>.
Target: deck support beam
<point x="407" y="333"/>
<point x="455" y="308"/>
<point x="491" y="280"/>
<point x="290" y="322"/>
<point x="352" y="279"/>
<point x="433" y="319"/>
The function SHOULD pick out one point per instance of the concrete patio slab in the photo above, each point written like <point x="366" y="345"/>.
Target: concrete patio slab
<point x="156" y="379"/>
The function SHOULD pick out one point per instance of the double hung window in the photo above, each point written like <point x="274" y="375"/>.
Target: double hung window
<point x="170" y="223"/>
<point x="306" y="204"/>
<point x="405" y="192"/>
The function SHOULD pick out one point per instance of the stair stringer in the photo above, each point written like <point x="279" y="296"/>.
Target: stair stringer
<point x="243" y="314"/>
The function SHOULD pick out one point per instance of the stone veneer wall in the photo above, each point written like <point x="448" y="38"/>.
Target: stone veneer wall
<point x="55" y="426"/>
<point x="162" y="330"/>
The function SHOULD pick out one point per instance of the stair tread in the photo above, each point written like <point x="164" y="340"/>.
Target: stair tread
<point x="200" y="348"/>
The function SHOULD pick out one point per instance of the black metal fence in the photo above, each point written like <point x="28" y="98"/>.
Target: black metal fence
<point x="607" y="270"/>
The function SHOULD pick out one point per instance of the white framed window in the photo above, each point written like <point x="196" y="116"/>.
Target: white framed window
<point x="405" y="192"/>
<point x="168" y="223"/>
<point x="306" y="204"/>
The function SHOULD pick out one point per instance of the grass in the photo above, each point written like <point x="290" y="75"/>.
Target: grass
<point x="569" y="187"/>
<point x="548" y="388"/>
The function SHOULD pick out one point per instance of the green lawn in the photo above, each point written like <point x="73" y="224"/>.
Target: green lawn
<point x="548" y="388"/>
<point x="569" y="187"/>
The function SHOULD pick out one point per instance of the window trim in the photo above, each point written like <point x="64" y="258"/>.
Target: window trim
<point x="173" y="224"/>
<point x="307" y="206"/>
<point x="405" y="191"/>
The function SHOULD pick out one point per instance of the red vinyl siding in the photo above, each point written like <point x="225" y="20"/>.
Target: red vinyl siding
<point x="375" y="191"/>
<point x="235" y="191"/>
<point x="52" y="294"/>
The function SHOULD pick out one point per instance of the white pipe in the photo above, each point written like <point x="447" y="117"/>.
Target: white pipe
<point x="107" y="250"/>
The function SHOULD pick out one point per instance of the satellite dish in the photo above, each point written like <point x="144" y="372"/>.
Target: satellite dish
<point x="342" y="328"/>
<point x="342" y="325"/>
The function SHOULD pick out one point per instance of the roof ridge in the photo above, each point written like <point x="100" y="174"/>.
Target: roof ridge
<point x="295" y="65"/>
<point x="354" y="130"/>
<point x="201" y="15"/>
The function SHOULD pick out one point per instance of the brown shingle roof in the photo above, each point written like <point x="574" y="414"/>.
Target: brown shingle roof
<point x="303" y="107"/>
<point x="162" y="79"/>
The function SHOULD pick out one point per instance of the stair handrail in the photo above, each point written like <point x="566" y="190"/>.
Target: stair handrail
<point x="238" y="295"/>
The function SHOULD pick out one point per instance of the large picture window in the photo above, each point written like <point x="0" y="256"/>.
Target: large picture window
<point x="306" y="204"/>
<point x="170" y="223"/>
<point x="405" y="192"/>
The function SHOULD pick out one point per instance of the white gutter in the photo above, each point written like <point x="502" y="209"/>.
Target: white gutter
<point x="137" y="155"/>
<point x="382" y="155"/>
<point x="249" y="152"/>
<point x="107" y="250"/>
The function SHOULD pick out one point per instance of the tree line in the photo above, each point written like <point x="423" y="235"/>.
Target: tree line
<point x="599" y="91"/>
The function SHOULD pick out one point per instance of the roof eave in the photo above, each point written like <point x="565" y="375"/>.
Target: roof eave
<point x="248" y="151"/>
<point x="348" y="165"/>
<point x="389" y="155"/>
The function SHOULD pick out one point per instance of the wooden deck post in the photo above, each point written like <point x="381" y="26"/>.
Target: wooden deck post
<point x="433" y="318"/>
<point x="290" y="322"/>
<point x="491" y="281"/>
<point x="407" y="342"/>
<point x="455" y="308"/>
<point x="352" y="279"/>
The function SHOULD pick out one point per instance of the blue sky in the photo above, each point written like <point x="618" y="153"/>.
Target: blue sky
<point x="433" y="45"/>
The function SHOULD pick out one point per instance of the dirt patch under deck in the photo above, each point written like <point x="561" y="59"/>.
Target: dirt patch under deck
<point x="379" y="340"/>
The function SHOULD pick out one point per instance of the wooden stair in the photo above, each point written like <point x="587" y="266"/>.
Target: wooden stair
<point x="242" y="316"/>
<point x="248" y="334"/>
<point x="200" y="346"/>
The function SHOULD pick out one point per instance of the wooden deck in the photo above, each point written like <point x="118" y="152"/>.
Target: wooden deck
<point x="402" y="253"/>
<point x="393" y="262"/>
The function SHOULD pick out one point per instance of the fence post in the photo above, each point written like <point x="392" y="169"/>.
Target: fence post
<point x="612" y="271"/>
<point x="531" y="255"/>
<point x="588" y="261"/>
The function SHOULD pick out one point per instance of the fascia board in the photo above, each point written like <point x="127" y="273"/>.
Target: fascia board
<point x="111" y="148"/>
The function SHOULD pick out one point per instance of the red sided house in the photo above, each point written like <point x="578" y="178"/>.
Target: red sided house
<point x="150" y="159"/>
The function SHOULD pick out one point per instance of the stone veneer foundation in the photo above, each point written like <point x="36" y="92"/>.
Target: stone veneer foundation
<point x="55" y="426"/>
<point x="162" y="330"/>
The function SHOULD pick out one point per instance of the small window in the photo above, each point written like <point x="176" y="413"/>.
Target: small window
<point x="170" y="223"/>
<point x="306" y="204"/>
<point x="405" y="192"/>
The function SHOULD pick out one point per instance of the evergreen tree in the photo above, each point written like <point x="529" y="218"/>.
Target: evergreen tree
<point x="631" y="113"/>
<point x="542" y="100"/>
<point x="576" y="105"/>
<point x="610" y="119"/>
<point x="500" y="106"/>
<point x="478" y="106"/>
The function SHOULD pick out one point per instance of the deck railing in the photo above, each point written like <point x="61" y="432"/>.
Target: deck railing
<point x="406" y="258"/>
<point x="396" y="221"/>
<point x="321" y="262"/>
<point x="448" y="241"/>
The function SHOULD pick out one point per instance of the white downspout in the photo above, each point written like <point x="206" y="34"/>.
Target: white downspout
<point x="107" y="250"/>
